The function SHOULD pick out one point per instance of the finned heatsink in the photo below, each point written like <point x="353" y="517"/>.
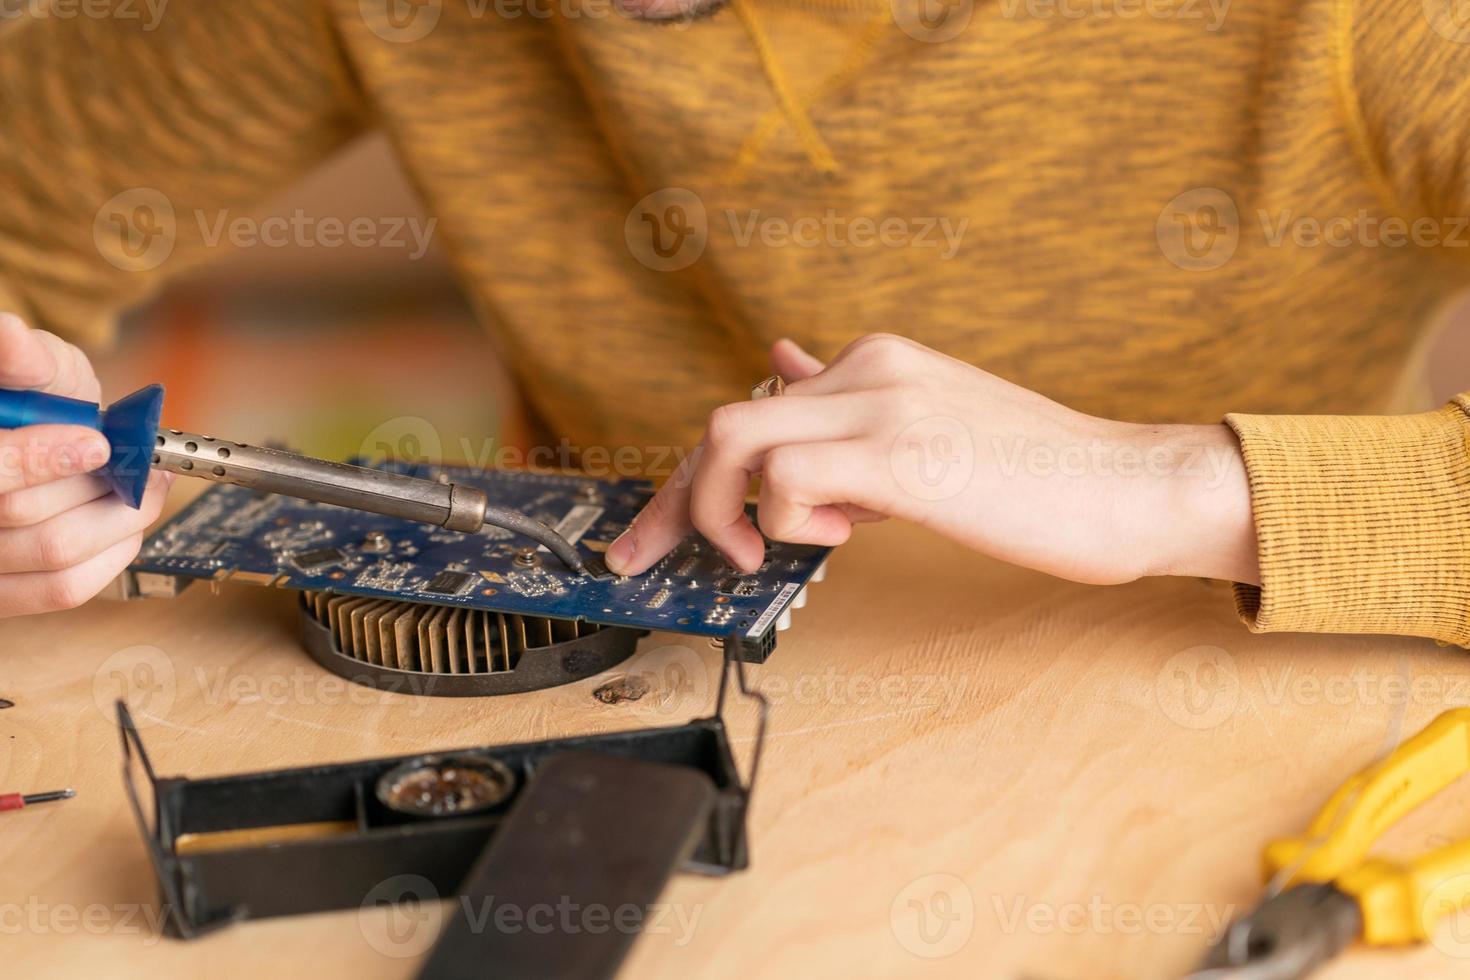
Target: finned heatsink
<point x="422" y="648"/>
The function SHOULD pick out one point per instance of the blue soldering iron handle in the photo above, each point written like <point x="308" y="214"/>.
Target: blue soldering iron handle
<point x="22" y="408"/>
<point x="130" y="426"/>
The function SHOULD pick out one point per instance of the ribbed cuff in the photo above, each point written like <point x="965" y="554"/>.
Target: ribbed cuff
<point x="1363" y="522"/>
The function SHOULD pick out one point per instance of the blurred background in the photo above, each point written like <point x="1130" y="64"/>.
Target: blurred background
<point x="321" y="347"/>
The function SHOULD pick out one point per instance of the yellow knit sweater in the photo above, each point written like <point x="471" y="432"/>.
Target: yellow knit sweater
<point x="1166" y="210"/>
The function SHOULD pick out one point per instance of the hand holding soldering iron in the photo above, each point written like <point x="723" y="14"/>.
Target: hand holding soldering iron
<point x="64" y="535"/>
<point x="78" y="485"/>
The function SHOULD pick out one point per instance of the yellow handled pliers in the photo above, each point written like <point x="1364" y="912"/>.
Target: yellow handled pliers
<point x="1329" y="893"/>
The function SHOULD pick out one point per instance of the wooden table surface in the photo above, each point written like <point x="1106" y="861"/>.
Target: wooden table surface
<point x="972" y="771"/>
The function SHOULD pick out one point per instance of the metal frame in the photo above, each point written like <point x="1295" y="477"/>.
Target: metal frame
<point x="205" y="891"/>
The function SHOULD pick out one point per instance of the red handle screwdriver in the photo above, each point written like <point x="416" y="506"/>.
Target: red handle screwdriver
<point x="18" y="801"/>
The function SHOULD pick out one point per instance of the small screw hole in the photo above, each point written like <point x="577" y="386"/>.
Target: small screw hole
<point x="187" y="464"/>
<point x="224" y="453"/>
<point x="192" y="447"/>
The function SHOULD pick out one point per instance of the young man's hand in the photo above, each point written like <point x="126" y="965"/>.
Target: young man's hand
<point x="893" y="429"/>
<point x="63" y="534"/>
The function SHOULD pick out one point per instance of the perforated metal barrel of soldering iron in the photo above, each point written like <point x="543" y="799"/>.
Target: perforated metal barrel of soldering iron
<point x="454" y="506"/>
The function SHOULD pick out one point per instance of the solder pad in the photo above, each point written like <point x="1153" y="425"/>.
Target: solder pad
<point x="231" y="532"/>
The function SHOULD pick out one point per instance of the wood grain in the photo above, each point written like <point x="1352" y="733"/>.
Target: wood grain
<point x="1067" y="782"/>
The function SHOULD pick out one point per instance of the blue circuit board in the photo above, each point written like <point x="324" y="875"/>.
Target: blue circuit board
<point x="235" y="533"/>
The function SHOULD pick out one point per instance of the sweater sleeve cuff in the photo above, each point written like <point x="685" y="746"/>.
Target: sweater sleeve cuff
<point x="1363" y="522"/>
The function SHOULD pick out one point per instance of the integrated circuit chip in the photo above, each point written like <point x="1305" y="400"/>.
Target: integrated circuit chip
<point x="449" y="583"/>
<point x="316" y="558"/>
<point x="738" y="586"/>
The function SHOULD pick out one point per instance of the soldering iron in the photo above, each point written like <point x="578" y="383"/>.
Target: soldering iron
<point x="130" y="427"/>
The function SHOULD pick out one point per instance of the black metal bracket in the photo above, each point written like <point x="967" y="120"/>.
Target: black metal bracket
<point x="207" y="889"/>
<point x="173" y="877"/>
